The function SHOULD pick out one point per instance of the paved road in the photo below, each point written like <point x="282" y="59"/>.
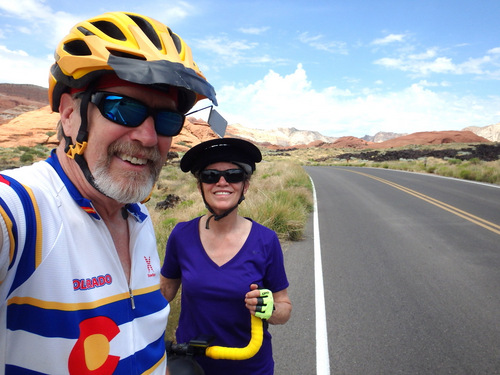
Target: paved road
<point x="411" y="271"/>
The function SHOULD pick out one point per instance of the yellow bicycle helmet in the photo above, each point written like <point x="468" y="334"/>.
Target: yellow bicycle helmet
<point x="131" y="47"/>
<point x="136" y="48"/>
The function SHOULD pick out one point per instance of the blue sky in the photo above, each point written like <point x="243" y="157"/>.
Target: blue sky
<point x="350" y="67"/>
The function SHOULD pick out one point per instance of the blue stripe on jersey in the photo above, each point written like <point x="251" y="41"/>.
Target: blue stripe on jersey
<point x="64" y="322"/>
<point x="15" y="370"/>
<point x="84" y="203"/>
<point x="145" y="359"/>
<point x="10" y="222"/>
<point x="31" y="252"/>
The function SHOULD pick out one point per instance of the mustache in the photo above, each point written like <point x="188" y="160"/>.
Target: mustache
<point x="152" y="154"/>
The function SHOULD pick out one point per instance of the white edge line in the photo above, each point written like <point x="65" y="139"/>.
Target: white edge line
<point x="322" y="356"/>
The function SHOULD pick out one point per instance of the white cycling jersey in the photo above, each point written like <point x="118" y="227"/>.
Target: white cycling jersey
<point x="65" y="304"/>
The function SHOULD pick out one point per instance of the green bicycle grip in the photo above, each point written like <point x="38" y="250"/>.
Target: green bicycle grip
<point x="265" y="304"/>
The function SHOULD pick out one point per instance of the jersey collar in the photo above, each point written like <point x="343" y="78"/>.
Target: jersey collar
<point x="86" y="204"/>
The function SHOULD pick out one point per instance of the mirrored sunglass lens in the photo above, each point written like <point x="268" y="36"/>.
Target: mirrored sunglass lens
<point x="168" y="123"/>
<point x="124" y="111"/>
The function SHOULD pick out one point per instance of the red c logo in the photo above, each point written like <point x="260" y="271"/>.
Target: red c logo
<point x="90" y="355"/>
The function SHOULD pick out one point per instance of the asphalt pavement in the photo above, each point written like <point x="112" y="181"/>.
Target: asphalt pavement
<point x="411" y="274"/>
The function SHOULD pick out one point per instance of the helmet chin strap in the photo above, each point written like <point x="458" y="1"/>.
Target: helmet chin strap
<point x="75" y="151"/>
<point x="222" y="215"/>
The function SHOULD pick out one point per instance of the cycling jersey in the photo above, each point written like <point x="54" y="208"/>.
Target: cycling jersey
<point x="65" y="304"/>
<point x="213" y="297"/>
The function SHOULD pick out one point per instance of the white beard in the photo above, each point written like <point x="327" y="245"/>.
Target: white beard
<point x="127" y="187"/>
<point x="132" y="190"/>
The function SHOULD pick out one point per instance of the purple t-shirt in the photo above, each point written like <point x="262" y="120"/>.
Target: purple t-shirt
<point x="213" y="297"/>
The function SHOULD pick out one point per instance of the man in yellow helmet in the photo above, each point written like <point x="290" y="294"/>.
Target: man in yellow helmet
<point x="79" y="270"/>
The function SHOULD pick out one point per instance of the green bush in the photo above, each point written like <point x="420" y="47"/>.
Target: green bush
<point x="466" y="174"/>
<point x="27" y="158"/>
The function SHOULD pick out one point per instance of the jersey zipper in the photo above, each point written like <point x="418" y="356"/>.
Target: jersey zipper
<point x="131" y="298"/>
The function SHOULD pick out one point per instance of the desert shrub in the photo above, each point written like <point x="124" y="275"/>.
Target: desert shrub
<point x="27" y="158"/>
<point x="466" y="174"/>
<point x="280" y="197"/>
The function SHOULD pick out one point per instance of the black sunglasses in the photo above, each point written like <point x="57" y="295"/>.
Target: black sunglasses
<point x="212" y="176"/>
<point x="130" y="112"/>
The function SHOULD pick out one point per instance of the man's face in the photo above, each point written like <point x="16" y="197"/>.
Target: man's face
<point x="124" y="161"/>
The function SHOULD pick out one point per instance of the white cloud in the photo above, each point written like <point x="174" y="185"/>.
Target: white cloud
<point x="495" y="50"/>
<point x="419" y="65"/>
<point x="24" y="68"/>
<point x="291" y="101"/>
<point x="425" y="83"/>
<point x="429" y="62"/>
<point x="171" y="13"/>
<point x="318" y="42"/>
<point x="428" y="54"/>
<point x="25" y="9"/>
<point x="46" y="25"/>
<point x="6" y="51"/>
<point x="228" y="50"/>
<point x="389" y="39"/>
<point x="224" y="52"/>
<point x="254" y="30"/>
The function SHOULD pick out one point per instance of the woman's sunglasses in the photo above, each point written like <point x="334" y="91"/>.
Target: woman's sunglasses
<point x="212" y="176"/>
<point x="130" y="112"/>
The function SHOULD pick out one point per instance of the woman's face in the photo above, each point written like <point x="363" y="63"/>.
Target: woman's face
<point x="223" y="195"/>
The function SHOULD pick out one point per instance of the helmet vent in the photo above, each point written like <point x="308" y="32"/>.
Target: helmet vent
<point x="126" y="55"/>
<point x="147" y="29"/>
<point x="85" y="31"/>
<point x="110" y="30"/>
<point x="177" y="41"/>
<point x="77" y="48"/>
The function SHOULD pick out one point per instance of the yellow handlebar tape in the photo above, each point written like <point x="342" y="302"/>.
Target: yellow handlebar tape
<point x="239" y="354"/>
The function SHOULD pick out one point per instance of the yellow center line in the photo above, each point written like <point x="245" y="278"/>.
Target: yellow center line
<point x="454" y="210"/>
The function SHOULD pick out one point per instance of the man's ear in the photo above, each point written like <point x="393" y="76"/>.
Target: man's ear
<point x="68" y="108"/>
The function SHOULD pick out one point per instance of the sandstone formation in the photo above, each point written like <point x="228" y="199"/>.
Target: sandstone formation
<point x="490" y="132"/>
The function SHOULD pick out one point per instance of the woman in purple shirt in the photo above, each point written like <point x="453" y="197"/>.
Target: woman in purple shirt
<point x="222" y="258"/>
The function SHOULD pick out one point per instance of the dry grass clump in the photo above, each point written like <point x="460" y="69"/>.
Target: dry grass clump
<point x="280" y="197"/>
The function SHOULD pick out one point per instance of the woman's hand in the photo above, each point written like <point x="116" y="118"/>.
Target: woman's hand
<point x="277" y="313"/>
<point x="260" y="302"/>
